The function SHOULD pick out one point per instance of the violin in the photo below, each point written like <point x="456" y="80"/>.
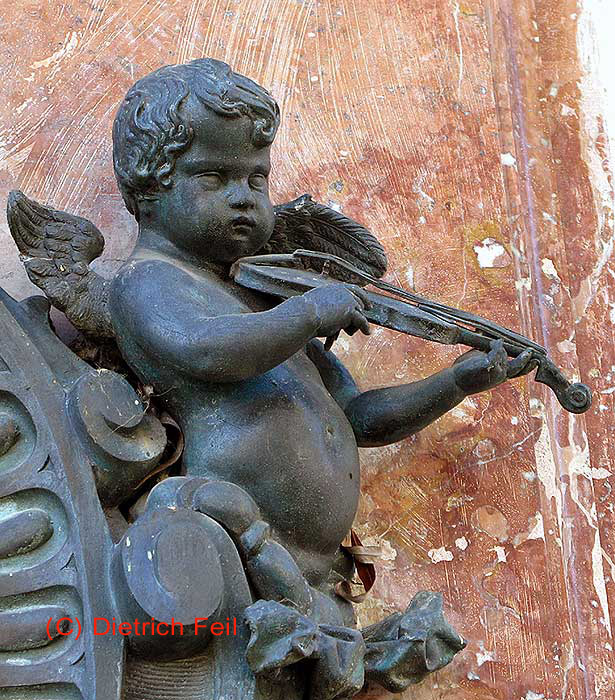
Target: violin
<point x="287" y="275"/>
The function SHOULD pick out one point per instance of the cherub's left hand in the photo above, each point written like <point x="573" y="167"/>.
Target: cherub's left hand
<point x="477" y="371"/>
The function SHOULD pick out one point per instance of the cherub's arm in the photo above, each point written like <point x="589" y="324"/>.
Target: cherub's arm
<point x="383" y="416"/>
<point x="155" y="304"/>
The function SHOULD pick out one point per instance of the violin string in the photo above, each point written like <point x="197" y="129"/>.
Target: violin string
<point x="457" y="317"/>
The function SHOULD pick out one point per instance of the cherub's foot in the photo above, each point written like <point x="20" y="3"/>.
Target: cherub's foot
<point x="282" y="637"/>
<point x="405" y="647"/>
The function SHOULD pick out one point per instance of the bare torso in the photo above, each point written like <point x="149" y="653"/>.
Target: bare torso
<point x="280" y="435"/>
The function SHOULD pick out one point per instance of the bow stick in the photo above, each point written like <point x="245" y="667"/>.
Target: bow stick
<point x="404" y="311"/>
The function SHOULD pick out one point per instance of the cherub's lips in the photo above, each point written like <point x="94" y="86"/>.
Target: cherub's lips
<point x="243" y="222"/>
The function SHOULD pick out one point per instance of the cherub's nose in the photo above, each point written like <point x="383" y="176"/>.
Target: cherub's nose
<point x="240" y="196"/>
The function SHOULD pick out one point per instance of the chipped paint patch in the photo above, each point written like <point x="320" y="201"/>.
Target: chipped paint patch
<point x="500" y="553"/>
<point x="508" y="160"/>
<point x="535" y="531"/>
<point x="70" y="44"/>
<point x="483" y="655"/>
<point x="545" y="462"/>
<point x="440" y="554"/>
<point x="600" y="582"/>
<point x="461" y="543"/>
<point x="549" y="268"/>
<point x="409" y="275"/>
<point x="565" y="346"/>
<point x="523" y="283"/>
<point x="538" y="529"/>
<point x="491" y="253"/>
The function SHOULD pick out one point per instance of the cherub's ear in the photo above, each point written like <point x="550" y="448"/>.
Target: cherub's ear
<point x="304" y="223"/>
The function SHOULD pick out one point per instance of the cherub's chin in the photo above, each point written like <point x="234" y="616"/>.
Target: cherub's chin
<point x="247" y="242"/>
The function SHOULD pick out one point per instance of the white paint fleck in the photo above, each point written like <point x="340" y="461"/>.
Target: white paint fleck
<point x="531" y="695"/>
<point x="600" y="582"/>
<point x="549" y="217"/>
<point x="417" y="188"/>
<point x="509" y="160"/>
<point x="523" y="283"/>
<point x="538" y="530"/>
<point x="514" y="420"/>
<point x="150" y="556"/>
<point x="488" y="251"/>
<point x="565" y="346"/>
<point x="471" y="676"/>
<point x="461" y="543"/>
<point x="311" y="34"/>
<point x="500" y="553"/>
<point x="460" y="46"/>
<point x="344" y="154"/>
<point x="600" y="473"/>
<point x="410" y="276"/>
<point x="440" y="554"/>
<point x="483" y="655"/>
<point x="545" y="462"/>
<point x="568" y="111"/>
<point x="69" y="45"/>
<point x="23" y="105"/>
<point x="336" y="206"/>
<point x="549" y="268"/>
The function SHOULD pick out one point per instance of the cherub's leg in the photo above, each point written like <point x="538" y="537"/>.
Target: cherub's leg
<point x="174" y="566"/>
<point x="286" y="621"/>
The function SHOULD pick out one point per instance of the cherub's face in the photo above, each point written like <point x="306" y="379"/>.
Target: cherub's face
<point x="218" y="207"/>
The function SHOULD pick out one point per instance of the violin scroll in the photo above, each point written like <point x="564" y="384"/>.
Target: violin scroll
<point x="575" y="398"/>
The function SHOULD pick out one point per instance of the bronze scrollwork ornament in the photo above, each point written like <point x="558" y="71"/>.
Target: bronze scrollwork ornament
<point x="210" y="473"/>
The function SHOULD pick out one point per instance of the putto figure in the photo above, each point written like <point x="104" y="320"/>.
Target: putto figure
<point x="249" y="526"/>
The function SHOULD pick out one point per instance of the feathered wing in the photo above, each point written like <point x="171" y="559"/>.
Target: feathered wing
<point x="56" y="249"/>
<point x="304" y="223"/>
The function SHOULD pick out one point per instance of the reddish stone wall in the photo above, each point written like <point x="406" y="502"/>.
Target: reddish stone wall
<point x="457" y="131"/>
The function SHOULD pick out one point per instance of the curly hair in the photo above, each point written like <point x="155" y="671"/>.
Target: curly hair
<point x="149" y="132"/>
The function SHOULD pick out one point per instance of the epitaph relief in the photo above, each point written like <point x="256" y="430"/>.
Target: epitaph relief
<point x="213" y="483"/>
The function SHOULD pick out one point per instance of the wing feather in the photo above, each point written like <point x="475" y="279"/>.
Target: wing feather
<point x="56" y="248"/>
<point x="304" y="223"/>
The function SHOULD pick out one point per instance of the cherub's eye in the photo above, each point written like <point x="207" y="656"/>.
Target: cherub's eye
<point x="210" y="181"/>
<point x="258" y="181"/>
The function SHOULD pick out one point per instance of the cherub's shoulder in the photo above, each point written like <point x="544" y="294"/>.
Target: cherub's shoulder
<point x="143" y="287"/>
<point x="155" y="277"/>
<point x="157" y="290"/>
<point x="140" y="273"/>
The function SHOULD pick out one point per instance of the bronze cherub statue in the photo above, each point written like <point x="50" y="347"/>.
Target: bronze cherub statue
<point x="249" y="525"/>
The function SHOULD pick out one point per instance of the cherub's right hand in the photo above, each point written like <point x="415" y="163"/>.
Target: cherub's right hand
<point x="339" y="307"/>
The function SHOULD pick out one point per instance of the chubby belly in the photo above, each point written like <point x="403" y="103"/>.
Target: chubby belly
<point x="282" y="437"/>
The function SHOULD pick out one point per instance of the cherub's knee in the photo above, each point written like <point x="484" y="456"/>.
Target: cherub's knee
<point x="174" y="565"/>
